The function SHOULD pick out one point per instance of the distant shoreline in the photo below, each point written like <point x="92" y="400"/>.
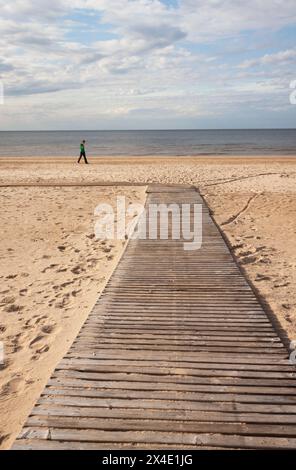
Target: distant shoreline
<point x="134" y="159"/>
<point x="161" y="130"/>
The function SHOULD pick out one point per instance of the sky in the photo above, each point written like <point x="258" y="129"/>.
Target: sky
<point x="147" y="64"/>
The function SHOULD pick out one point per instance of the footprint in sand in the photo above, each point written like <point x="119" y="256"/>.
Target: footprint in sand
<point x="43" y="349"/>
<point x="15" y="343"/>
<point x="6" y="291"/>
<point x="8" y="300"/>
<point x="92" y="262"/>
<point x="238" y="246"/>
<point x="28" y="325"/>
<point x="47" y="329"/>
<point x="51" y="266"/>
<point x="248" y="260"/>
<point x="262" y="277"/>
<point x="74" y="293"/>
<point x="286" y="306"/>
<point x="13" y="386"/>
<point x="66" y="284"/>
<point x="39" y="319"/>
<point x="281" y="284"/>
<point x="30" y="382"/>
<point x="14" y="308"/>
<point x="244" y="254"/>
<point x="63" y="302"/>
<point x="36" y="340"/>
<point x="3" y="438"/>
<point x="62" y="270"/>
<point x="23" y="292"/>
<point x="77" y="270"/>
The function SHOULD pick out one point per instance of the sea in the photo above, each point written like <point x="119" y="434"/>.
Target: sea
<point x="149" y="142"/>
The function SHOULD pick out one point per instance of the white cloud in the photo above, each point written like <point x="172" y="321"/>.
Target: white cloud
<point x="282" y="57"/>
<point x="156" y="59"/>
<point x="212" y="18"/>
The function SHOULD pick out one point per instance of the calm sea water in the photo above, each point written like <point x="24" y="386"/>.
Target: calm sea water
<point x="179" y="142"/>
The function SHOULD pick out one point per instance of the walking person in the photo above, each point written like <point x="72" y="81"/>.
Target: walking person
<point x="82" y="152"/>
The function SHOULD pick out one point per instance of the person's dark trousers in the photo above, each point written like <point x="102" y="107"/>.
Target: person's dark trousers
<point x="82" y="154"/>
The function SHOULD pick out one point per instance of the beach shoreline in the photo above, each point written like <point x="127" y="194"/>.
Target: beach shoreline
<point x="136" y="159"/>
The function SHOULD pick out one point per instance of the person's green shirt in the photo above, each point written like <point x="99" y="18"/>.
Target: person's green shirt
<point x="82" y="148"/>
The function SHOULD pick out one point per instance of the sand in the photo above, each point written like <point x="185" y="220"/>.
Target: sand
<point x="47" y="229"/>
<point x="52" y="272"/>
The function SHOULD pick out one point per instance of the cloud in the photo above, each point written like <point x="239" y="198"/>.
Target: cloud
<point x="181" y="58"/>
<point x="220" y="18"/>
<point x="34" y="9"/>
<point x="4" y="67"/>
<point x="282" y="57"/>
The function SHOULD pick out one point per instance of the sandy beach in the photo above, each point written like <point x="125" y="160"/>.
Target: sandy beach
<point x="53" y="270"/>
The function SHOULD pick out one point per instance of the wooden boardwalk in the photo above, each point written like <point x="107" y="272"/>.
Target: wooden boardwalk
<point x="177" y="353"/>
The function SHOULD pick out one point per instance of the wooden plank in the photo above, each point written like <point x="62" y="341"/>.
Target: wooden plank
<point x="237" y="363"/>
<point x="92" y="341"/>
<point x="118" y="366"/>
<point x="101" y="378"/>
<point x="177" y="438"/>
<point x="157" y="414"/>
<point x="183" y="357"/>
<point x="174" y="349"/>
<point x="224" y="335"/>
<point x="158" y="404"/>
<point x="165" y="386"/>
<point x="35" y="444"/>
<point x="116" y="424"/>
<point x="172" y="395"/>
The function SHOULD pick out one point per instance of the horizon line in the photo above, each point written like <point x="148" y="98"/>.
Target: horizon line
<point x="155" y="130"/>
